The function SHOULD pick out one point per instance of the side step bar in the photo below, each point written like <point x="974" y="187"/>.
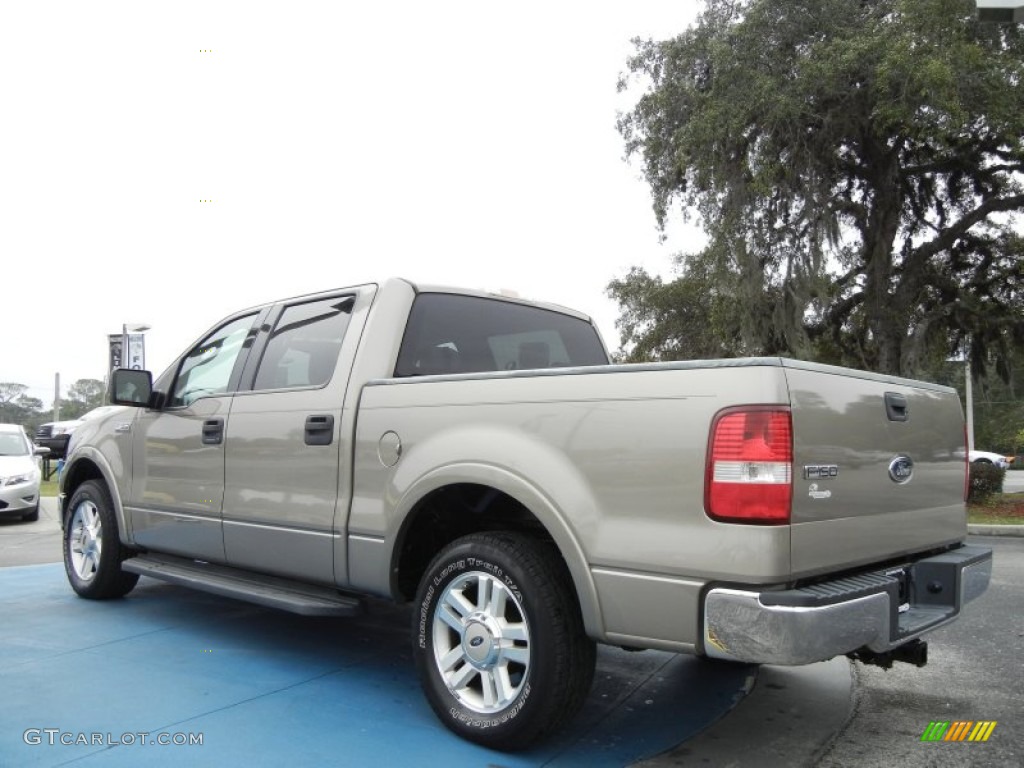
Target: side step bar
<point x="270" y="591"/>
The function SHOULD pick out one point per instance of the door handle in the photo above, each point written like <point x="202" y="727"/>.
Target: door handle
<point x="896" y="407"/>
<point x="213" y="431"/>
<point x="319" y="429"/>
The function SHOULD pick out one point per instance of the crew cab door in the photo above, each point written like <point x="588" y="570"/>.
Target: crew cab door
<point x="178" y="451"/>
<point x="288" y="440"/>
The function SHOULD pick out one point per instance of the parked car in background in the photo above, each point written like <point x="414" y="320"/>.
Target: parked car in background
<point x="19" y="473"/>
<point x="987" y="457"/>
<point x="56" y="434"/>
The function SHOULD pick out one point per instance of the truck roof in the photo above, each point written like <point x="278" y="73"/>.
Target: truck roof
<point x="435" y="288"/>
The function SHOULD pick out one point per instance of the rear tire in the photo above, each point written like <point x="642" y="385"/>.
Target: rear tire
<point x="92" y="548"/>
<point x="499" y="640"/>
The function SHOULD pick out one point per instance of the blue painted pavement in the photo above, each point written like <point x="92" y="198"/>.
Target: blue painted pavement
<point x="266" y="688"/>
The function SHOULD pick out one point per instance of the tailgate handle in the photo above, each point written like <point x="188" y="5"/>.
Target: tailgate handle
<point x="896" y="407"/>
<point x="319" y="429"/>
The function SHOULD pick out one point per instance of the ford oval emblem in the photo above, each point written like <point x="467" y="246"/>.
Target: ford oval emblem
<point x="901" y="469"/>
<point x="476" y="642"/>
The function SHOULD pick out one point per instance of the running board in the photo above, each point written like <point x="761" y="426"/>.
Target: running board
<point x="293" y="596"/>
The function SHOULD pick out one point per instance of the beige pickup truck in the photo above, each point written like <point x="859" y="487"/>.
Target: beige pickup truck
<point x="478" y="457"/>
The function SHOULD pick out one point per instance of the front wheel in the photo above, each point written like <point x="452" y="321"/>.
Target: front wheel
<point x="92" y="549"/>
<point x="499" y="641"/>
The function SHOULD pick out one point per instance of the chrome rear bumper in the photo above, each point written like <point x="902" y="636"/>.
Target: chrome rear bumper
<point x="879" y="610"/>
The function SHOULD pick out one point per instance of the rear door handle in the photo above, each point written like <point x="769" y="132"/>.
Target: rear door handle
<point x="213" y="431"/>
<point x="319" y="429"/>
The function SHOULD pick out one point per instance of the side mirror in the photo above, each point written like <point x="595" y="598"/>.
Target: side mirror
<point x="40" y="450"/>
<point x="131" y="387"/>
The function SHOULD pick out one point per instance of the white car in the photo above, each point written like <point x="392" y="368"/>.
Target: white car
<point x="19" y="474"/>
<point x="987" y="457"/>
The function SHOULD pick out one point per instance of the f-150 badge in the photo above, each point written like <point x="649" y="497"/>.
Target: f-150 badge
<point x="820" y="471"/>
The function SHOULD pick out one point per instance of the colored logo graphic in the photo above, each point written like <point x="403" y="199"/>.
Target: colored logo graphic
<point x="959" y="730"/>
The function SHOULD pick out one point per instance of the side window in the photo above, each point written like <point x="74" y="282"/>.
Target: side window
<point x="303" y="348"/>
<point x="207" y="368"/>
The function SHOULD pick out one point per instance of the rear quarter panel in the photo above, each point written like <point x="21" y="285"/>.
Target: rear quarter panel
<point x="610" y="459"/>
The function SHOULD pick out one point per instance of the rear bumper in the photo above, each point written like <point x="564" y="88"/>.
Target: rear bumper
<point x="878" y="610"/>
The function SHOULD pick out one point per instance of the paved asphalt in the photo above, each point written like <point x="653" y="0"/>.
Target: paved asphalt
<point x="1014" y="482"/>
<point x="974" y="673"/>
<point x="32" y="543"/>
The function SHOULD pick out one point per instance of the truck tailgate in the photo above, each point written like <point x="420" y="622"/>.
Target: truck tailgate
<point x="878" y="467"/>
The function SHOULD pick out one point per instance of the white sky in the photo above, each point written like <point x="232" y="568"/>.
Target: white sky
<point x="466" y="143"/>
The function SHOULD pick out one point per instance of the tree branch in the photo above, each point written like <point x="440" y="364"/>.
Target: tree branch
<point x="952" y="233"/>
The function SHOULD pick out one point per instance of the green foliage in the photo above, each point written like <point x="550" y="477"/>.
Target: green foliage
<point x="10" y="392"/>
<point x="82" y="397"/>
<point x="15" y="406"/>
<point x="986" y="481"/>
<point x="999" y="415"/>
<point x="693" y="316"/>
<point x="856" y="166"/>
<point x="998" y="406"/>
<point x="18" y="408"/>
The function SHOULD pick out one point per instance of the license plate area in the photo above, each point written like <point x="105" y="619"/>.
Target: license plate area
<point x="929" y="594"/>
<point x="902" y="578"/>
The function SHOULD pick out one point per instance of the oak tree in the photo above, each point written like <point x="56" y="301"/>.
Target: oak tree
<point x="857" y="166"/>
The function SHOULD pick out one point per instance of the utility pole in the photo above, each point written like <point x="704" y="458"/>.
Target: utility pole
<point x="970" y="406"/>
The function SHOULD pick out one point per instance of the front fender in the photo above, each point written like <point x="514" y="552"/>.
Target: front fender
<point x="84" y="464"/>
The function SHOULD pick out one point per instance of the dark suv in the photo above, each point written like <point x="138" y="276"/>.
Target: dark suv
<point x="56" y="435"/>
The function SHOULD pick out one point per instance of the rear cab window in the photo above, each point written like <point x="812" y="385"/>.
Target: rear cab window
<point x="452" y="333"/>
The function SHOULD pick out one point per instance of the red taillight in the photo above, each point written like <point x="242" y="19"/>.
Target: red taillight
<point x="749" y="475"/>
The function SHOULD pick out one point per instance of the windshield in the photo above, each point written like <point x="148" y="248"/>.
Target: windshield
<point x="13" y="444"/>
